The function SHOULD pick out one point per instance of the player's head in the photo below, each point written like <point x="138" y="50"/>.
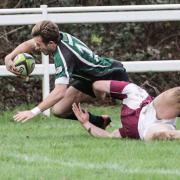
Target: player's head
<point x="46" y="36"/>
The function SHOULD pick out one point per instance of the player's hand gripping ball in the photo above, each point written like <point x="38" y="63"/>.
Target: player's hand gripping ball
<point x="25" y="64"/>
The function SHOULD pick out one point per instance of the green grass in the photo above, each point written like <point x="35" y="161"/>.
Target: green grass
<point x="51" y="148"/>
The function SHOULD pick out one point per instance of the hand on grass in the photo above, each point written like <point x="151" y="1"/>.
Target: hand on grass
<point x="80" y="113"/>
<point x="23" y="116"/>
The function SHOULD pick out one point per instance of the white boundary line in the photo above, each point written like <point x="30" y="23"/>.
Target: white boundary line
<point x="95" y="166"/>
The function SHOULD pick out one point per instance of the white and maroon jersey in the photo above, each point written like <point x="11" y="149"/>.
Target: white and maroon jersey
<point x="134" y="98"/>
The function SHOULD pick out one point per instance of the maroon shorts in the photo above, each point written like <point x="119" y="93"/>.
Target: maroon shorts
<point x="130" y="119"/>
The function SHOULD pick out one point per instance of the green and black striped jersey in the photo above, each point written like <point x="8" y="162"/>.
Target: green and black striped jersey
<point x="73" y="58"/>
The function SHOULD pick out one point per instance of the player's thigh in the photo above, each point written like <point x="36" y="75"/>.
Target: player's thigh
<point x="158" y="132"/>
<point x="167" y="104"/>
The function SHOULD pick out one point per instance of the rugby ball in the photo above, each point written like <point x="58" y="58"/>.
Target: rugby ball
<point x="25" y="64"/>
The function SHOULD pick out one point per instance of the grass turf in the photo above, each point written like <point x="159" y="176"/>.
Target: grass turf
<point x="52" y="148"/>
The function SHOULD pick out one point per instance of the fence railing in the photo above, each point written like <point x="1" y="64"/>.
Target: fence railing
<point x="94" y="14"/>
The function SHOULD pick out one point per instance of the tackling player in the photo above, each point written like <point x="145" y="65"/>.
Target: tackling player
<point x="72" y="59"/>
<point x="142" y="117"/>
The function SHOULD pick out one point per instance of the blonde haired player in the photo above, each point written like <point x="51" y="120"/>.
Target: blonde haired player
<point x="142" y="117"/>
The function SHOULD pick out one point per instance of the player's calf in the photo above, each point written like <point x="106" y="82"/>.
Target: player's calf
<point x="61" y="114"/>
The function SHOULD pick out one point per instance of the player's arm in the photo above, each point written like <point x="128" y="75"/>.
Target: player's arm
<point x="27" y="46"/>
<point x="83" y="117"/>
<point x="56" y="94"/>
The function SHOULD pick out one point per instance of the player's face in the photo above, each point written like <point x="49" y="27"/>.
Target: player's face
<point x="47" y="49"/>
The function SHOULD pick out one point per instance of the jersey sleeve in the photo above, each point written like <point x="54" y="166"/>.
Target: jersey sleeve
<point x="116" y="89"/>
<point x="62" y="72"/>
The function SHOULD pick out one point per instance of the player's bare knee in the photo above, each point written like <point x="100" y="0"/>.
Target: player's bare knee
<point x="97" y="90"/>
<point x="96" y="86"/>
<point x="58" y="113"/>
<point x="55" y="113"/>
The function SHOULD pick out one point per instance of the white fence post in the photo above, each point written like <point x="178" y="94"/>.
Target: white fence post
<point x="45" y="62"/>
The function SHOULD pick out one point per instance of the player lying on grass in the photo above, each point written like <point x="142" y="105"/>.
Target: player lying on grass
<point x="142" y="117"/>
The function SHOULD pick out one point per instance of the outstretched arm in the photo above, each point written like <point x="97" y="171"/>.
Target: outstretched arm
<point x="83" y="117"/>
<point x="56" y="95"/>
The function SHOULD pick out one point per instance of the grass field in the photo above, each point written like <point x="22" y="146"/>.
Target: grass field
<point x="50" y="148"/>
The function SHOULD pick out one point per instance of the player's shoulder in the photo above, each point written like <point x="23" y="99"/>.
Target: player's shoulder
<point x="66" y="37"/>
<point x="70" y="39"/>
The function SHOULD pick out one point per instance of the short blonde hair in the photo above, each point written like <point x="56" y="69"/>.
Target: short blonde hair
<point x="48" y="30"/>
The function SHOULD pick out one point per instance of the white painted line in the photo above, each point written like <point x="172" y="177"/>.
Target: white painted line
<point x="95" y="166"/>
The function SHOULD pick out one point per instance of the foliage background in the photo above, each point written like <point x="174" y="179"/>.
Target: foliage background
<point x="121" y="41"/>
